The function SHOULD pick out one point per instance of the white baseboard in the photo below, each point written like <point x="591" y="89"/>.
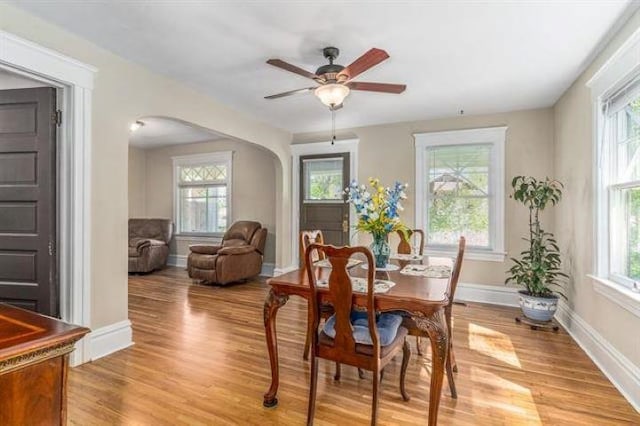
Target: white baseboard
<point x="624" y="375"/>
<point x="492" y="294"/>
<point x="267" y="269"/>
<point x="178" y="260"/>
<point x="109" y="339"/>
<point x="284" y="270"/>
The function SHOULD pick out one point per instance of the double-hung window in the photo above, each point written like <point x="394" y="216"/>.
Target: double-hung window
<point x="460" y="191"/>
<point x="619" y="184"/>
<point x="202" y="193"/>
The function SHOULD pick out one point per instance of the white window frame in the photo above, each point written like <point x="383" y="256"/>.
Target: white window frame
<point x="496" y="136"/>
<point x="620" y="69"/>
<point x="221" y="157"/>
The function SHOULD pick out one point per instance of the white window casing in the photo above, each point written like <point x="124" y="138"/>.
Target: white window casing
<point x="496" y="138"/>
<point x="613" y="86"/>
<point x="208" y="159"/>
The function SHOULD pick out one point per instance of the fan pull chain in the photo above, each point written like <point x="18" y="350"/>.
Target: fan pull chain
<point x="333" y="126"/>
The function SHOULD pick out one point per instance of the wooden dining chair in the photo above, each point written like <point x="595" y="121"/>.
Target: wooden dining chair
<point x="371" y="346"/>
<point x="451" y="365"/>
<point x="410" y="324"/>
<point x="404" y="247"/>
<point x="306" y="239"/>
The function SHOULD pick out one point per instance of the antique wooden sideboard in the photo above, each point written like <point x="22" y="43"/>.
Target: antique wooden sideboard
<point x="34" y="351"/>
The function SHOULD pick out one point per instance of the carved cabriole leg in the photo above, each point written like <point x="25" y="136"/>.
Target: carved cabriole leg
<point x="273" y="302"/>
<point x="406" y="354"/>
<point x="436" y="327"/>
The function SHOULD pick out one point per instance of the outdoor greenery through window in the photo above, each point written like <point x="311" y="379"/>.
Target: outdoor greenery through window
<point x="203" y="198"/>
<point x="623" y="126"/>
<point x="323" y="179"/>
<point x="458" y="194"/>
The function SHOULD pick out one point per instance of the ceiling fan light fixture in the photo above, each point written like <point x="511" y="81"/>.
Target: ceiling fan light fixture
<point x="136" y="125"/>
<point x="332" y="94"/>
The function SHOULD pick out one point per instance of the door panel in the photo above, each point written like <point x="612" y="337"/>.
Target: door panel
<point x="322" y="207"/>
<point x="28" y="273"/>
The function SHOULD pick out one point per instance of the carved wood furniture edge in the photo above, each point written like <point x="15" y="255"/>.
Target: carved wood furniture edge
<point x="22" y="360"/>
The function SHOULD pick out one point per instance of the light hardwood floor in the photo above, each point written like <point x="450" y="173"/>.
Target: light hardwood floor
<point x="200" y="358"/>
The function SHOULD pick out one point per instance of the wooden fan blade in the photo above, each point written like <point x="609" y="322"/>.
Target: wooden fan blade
<point x="291" y="68"/>
<point x="370" y="59"/>
<point x="377" y="87"/>
<point x="289" y="93"/>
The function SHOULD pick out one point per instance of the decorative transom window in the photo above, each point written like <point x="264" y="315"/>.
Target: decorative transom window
<point x="202" y="193"/>
<point x="619" y="183"/>
<point x="460" y="191"/>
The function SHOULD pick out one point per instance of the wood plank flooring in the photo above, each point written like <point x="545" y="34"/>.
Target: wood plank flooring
<point x="200" y="359"/>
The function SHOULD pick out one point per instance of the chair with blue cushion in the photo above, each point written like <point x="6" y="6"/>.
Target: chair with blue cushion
<point x="366" y="340"/>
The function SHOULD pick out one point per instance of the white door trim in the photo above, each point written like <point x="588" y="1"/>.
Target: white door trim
<point x="316" y="148"/>
<point x="74" y="81"/>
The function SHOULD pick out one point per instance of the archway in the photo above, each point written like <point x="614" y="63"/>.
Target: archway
<point x="157" y="142"/>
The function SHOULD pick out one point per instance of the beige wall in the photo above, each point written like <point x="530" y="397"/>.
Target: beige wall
<point x="387" y="152"/>
<point x="254" y="185"/>
<point x="574" y="217"/>
<point x="137" y="182"/>
<point x="122" y="93"/>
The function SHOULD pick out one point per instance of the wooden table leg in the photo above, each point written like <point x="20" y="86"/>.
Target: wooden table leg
<point x="436" y="327"/>
<point x="273" y="302"/>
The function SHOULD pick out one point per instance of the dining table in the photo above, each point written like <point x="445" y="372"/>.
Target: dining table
<point x="423" y="298"/>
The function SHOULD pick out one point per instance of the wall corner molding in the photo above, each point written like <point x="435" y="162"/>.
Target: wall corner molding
<point x="109" y="339"/>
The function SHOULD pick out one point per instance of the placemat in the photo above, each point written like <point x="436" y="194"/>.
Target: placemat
<point x="429" y="271"/>
<point x="390" y="267"/>
<point x="406" y="257"/>
<point x="359" y="285"/>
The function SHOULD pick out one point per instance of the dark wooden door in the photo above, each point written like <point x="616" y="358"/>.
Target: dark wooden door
<point x="323" y="179"/>
<point x="28" y="273"/>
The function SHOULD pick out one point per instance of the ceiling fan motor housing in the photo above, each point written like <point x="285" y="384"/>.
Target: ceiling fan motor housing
<point x="330" y="70"/>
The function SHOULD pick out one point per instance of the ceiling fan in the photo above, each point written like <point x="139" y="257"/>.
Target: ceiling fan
<point x="336" y="81"/>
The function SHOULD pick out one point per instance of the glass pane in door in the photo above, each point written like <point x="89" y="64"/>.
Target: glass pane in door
<point x="323" y="179"/>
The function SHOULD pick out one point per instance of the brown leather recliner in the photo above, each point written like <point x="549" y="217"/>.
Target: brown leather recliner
<point x="149" y="244"/>
<point x="239" y="257"/>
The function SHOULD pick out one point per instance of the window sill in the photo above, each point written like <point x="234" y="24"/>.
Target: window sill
<point x="469" y="254"/>
<point x="214" y="238"/>
<point x="624" y="297"/>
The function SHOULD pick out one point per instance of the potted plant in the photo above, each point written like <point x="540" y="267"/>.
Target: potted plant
<point x="538" y="267"/>
<point x="378" y="211"/>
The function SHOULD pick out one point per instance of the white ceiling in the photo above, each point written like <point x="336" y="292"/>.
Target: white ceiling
<point x="161" y="131"/>
<point x="480" y="56"/>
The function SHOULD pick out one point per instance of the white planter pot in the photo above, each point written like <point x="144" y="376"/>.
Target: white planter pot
<point x="538" y="308"/>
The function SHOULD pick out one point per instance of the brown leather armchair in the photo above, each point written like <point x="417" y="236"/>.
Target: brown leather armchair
<point x="149" y="244"/>
<point x="239" y="257"/>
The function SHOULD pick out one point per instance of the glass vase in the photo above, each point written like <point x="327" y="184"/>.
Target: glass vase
<point x="381" y="250"/>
